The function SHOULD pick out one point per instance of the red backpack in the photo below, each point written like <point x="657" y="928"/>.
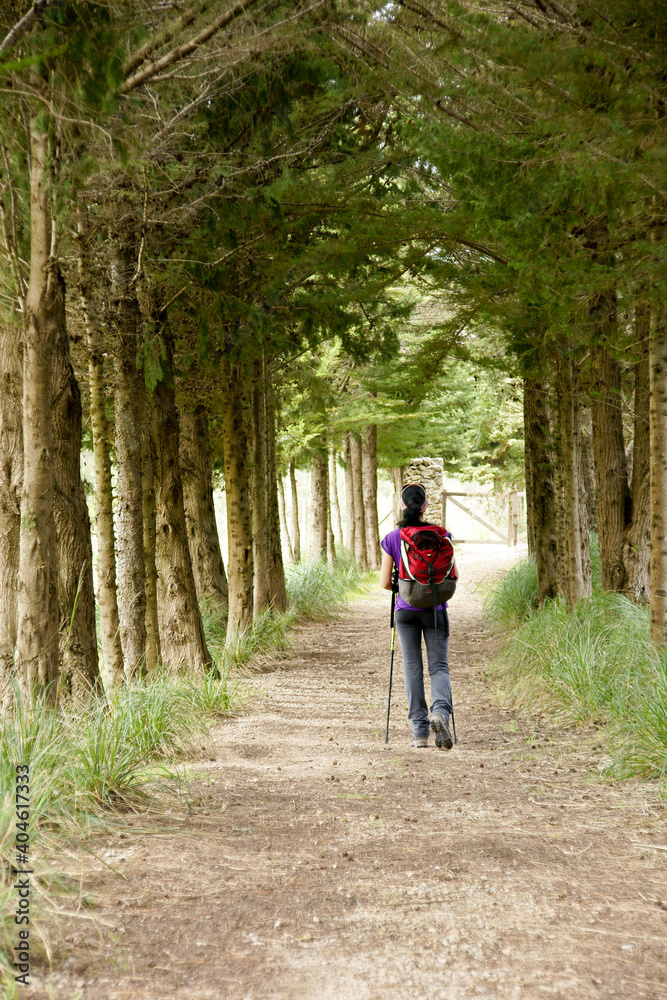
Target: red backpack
<point x="427" y="573"/>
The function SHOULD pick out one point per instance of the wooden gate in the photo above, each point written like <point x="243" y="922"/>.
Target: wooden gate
<point x="506" y="535"/>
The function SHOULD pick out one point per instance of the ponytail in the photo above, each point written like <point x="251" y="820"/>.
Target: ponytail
<point x="413" y="500"/>
<point x="411" y="517"/>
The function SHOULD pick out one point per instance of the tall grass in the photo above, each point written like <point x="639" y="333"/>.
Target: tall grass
<point x="317" y="592"/>
<point x="512" y="601"/>
<point x="594" y="664"/>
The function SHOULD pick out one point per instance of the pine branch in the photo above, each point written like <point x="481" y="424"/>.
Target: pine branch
<point x="182" y="51"/>
<point x="12" y="36"/>
<point x="164" y="37"/>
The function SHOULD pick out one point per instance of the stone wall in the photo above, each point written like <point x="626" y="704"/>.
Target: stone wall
<point x="429" y="472"/>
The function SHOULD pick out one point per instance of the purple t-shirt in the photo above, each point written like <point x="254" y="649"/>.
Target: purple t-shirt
<point x="391" y="544"/>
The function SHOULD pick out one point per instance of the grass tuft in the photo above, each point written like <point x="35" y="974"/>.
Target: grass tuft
<point x="318" y="593"/>
<point x="594" y="664"/>
<point x="513" y="600"/>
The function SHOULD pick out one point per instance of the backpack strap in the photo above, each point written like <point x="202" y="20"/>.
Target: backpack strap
<point x="404" y="557"/>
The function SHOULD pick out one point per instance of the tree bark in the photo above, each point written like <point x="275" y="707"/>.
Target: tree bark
<point x="658" y="477"/>
<point x="360" y="547"/>
<point x="336" y="520"/>
<point x="260" y="534"/>
<point x="637" y="533"/>
<point x="296" y="534"/>
<point x="130" y="565"/>
<point x="36" y="662"/>
<point x="79" y="670"/>
<point x="528" y="474"/>
<point x="197" y="479"/>
<point x="148" y="463"/>
<point x="587" y="463"/>
<point x="318" y="505"/>
<point x="611" y="480"/>
<point x="283" y="519"/>
<point x="349" y="496"/>
<point x="237" y="487"/>
<point x="542" y="488"/>
<point x="369" y="483"/>
<point x="182" y="639"/>
<point x="277" y="583"/>
<point x="397" y="473"/>
<point x="559" y="504"/>
<point x="584" y="512"/>
<point x="112" y="653"/>
<point x="11" y="476"/>
<point x="567" y="389"/>
<point x="332" y="558"/>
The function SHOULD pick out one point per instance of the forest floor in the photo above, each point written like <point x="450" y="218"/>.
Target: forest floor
<point x="313" y="862"/>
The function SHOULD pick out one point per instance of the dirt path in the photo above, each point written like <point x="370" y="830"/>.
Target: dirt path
<point x="317" y="864"/>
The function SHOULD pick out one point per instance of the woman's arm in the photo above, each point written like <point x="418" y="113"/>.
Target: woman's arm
<point x="386" y="571"/>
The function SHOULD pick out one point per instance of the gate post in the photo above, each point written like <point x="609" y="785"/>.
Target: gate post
<point x="513" y="536"/>
<point x="509" y="522"/>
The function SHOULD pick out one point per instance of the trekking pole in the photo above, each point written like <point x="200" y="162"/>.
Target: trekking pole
<point x="394" y="589"/>
<point x="453" y="723"/>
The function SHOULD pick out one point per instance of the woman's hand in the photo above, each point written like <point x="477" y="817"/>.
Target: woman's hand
<point x="386" y="571"/>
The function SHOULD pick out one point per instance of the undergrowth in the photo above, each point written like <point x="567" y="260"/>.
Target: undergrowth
<point x="594" y="664"/>
<point x="91" y="761"/>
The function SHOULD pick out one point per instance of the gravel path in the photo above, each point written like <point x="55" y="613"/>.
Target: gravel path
<point x="317" y="863"/>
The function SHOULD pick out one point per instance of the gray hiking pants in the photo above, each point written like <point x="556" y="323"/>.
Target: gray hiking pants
<point x="411" y="625"/>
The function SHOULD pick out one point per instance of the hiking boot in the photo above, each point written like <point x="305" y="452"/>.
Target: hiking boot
<point x="419" y="741"/>
<point x="443" y="737"/>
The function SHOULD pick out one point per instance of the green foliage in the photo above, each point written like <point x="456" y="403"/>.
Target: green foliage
<point x="515" y="597"/>
<point x="595" y="664"/>
<point x="317" y="593"/>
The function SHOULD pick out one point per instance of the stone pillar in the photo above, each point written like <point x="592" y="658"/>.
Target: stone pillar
<point x="428" y="472"/>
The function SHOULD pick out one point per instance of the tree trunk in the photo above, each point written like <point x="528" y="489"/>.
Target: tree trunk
<point x="559" y="507"/>
<point x="36" y="662"/>
<point x="575" y="585"/>
<point x="336" y="520"/>
<point x="197" y="479"/>
<point x="542" y="487"/>
<point x="331" y="541"/>
<point x="397" y="473"/>
<point x="637" y="534"/>
<point x="360" y="547"/>
<point x="369" y="483"/>
<point x="237" y="487"/>
<point x="112" y="653"/>
<point x="148" y="463"/>
<point x="79" y="671"/>
<point x="318" y="506"/>
<point x="260" y="534"/>
<point x="658" y="478"/>
<point x="11" y="475"/>
<point x="528" y="473"/>
<point x="349" y="496"/>
<point x="587" y="463"/>
<point x="182" y="639"/>
<point x="611" y="481"/>
<point x="584" y="513"/>
<point x="130" y="566"/>
<point x="277" y="584"/>
<point x="283" y="519"/>
<point x="296" y="534"/>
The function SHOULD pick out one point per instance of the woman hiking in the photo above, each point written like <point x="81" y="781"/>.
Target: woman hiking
<point x="412" y="623"/>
